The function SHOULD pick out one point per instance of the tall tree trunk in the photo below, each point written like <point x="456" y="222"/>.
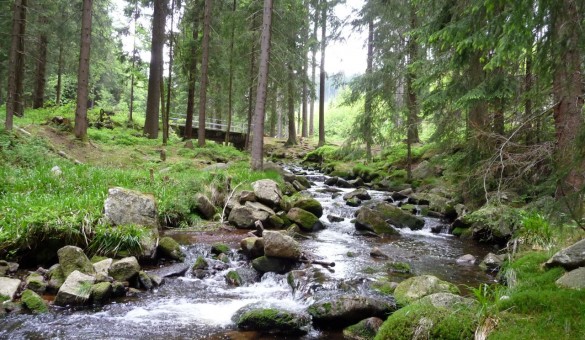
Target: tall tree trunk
<point x="567" y="92"/>
<point x="19" y="98"/>
<point x="368" y="114"/>
<point x="83" y="73"/>
<point x="192" y="79"/>
<point x="231" y="80"/>
<point x="59" y="75"/>
<point x="258" y="141"/>
<point x="322" y="75"/>
<point x="12" y="64"/>
<point x="412" y="119"/>
<point x="153" y="98"/>
<point x="204" y="69"/>
<point x="39" y="96"/>
<point x="478" y="113"/>
<point x="273" y="110"/>
<point x="305" y="113"/>
<point x="251" y="84"/>
<point x="279" y="120"/>
<point x="170" y="80"/>
<point x="314" y="47"/>
<point x="134" y="56"/>
<point x="292" y="140"/>
<point x="530" y="133"/>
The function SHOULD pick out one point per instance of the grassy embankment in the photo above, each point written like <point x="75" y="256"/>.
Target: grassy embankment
<point x="38" y="208"/>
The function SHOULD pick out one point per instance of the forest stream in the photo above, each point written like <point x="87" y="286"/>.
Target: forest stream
<point x="189" y="307"/>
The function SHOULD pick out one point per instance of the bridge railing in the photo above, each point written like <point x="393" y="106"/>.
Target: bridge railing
<point x="213" y="124"/>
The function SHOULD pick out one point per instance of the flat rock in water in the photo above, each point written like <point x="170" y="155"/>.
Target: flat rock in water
<point x="178" y="269"/>
<point x="569" y="258"/>
<point x="76" y="290"/>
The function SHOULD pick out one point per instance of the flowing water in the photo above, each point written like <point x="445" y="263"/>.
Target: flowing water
<point x="191" y="308"/>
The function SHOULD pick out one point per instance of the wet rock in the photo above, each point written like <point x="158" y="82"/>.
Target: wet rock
<point x="220" y="248"/>
<point x="144" y="281"/>
<point x="332" y="181"/>
<point x="358" y="182"/>
<point x="124" y="269"/>
<point x="417" y="287"/>
<point x="118" y="289"/>
<point x="36" y="282"/>
<point x="265" y="264"/>
<point x="353" y="202"/>
<point x="298" y="186"/>
<point x="304" y="219"/>
<point x="346" y="310"/>
<point x="56" y="278"/>
<point x="274" y="222"/>
<point x="398" y="217"/>
<point x="343" y="183"/>
<point x="129" y="207"/>
<point x="274" y="321"/>
<point x="569" y="258"/>
<point x="277" y="244"/>
<point x="467" y="259"/>
<point x="289" y="189"/>
<point x="73" y="258"/>
<point x="156" y="280"/>
<point x="252" y="247"/>
<point x="363" y="330"/>
<point x="447" y="300"/>
<point x="491" y="263"/>
<point x="233" y="278"/>
<point x="75" y="291"/>
<point x="303" y="181"/>
<point x="370" y="220"/>
<point x="267" y="192"/>
<point x="200" y="264"/>
<point x="288" y="177"/>
<point x="377" y="253"/>
<point x="574" y="279"/>
<point x="101" y="292"/>
<point x="205" y="207"/>
<point x="360" y="193"/>
<point x="34" y="302"/>
<point x="178" y="269"/>
<point x="8" y="288"/>
<point x="309" y="204"/>
<point x="335" y="218"/>
<point x="7" y="267"/>
<point x="170" y="249"/>
<point x="101" y="268"/>
<point x="244" y="216"/>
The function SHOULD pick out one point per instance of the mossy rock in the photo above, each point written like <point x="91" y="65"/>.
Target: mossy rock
<point x="305" y="220"/>
<point x="271" y="320"/>
<point x="96" y="258"/>
<point x="36" y="282"/>
<point x="398" y="267"/>
<point x="200" y="264"/>
<point x="493" y="223"/>
<point x="266" y="264"/>
<point x="73" y="258"/>
<point x="274" y="222"/>
<point x="422" y="320"/>
<point x="417" y="287"/>
<point x="363" y="330"/>
<point x="233" y="278"/>
<point x="170" y="249"/>
<point x="309" y="204"/>
<point x="34" y="302"/>
<point x="346" y="310"/>
<point x="101" y="292"/>
<point x="398" y="217"/>
<point x="220" y="248"/>
<point x="370" y="220"/>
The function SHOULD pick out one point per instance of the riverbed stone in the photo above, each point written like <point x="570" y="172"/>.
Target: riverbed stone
<point x="265" y="264"/>
<point x="56" y="278"/>
<point x="36" y="282"/>
<point x="575" y="279"/>
<point x="491" y="263"/>
<point x="274" y="321"/>
<point x="417" y="287"/>
<point x="332" y="181"/>
<point x="466" y="259"/>
<point x="252" y="247"/>
<point x="170" y="249"/>
<point x="177" y="269"/>
<point x="277" y="244"/>
<point x="345" y="310"/>
<point x="34" y="302"/>
<point x="233" y="278"/>
<point x="309" y="204"/>
<point x="244" y="216"/>
<point x="101" y="268"/>
<point x="363" y="330"/>
<point x="205" y="207"/>
<point x="267" y="192"/>
<point x="353" y="202"/>
<point x="129" y="207"/>
<point x="398" y="217"/>
<point x="360" y="193"/>
<point x="73" y="258"/>
<point x="370" y="220"/>
<point x="76" y="289"/>
<point x="124" y="269"/>
<point x="335" y="218"/>
<point x="303" y="180"/>
<point x="569" y="258"/>
<point x="7" y="267"/>
<point x="304" y="219"/>
<point x="8" y="288"/>
<point x="101" y="292"/>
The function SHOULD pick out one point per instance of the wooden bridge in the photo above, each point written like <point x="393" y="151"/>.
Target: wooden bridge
<point x="215" y="130"/>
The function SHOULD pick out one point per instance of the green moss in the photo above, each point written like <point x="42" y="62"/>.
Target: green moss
<point x="200" y="263"/>
<point x="220" y="248"/>
<point x="273" y="320"/>
<point x="34" y="302"/>
<point x="320" y="310"/>
<point x="398" y="267"/>
<point x="170" y="248"/>
<point x="233" y="278"/>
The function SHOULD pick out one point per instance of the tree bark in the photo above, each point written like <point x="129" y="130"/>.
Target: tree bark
<point x="322" y="75"/>
<point x="11" y="95"/>
<point x="167" y="112"/>
<point x="251" y="84"/>
<point x="204" y="70"/>
<point x="368" y="100"/>
<point x="274" y="110"/>
<point x="313" y="68"/>
<point x="83" y="73"/>
<point x="292" y="140"/>
<point x="231" y="80"/>
<point x="412" y="119"/>
<point x="134" y="56"/>
<point x="192" y="79"/>
<point x="154" y="79"/>
<point x="258" y="141"/>
<point x="39" y="96"/>
<point x="530" y="133"/>
<point x="478" y="113"/>
<point x="59" y="75"/>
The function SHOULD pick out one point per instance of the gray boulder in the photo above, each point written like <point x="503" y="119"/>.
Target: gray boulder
<point x="417" y="287"/>
<point x="129" y="207"/>
<point x="8" y="288"/>
<point x="101" y="292"/>
<point x="370" y="220"/>
<point x="447" y="300"/>
<point x="124" y="269"/>
<point x="569" y="258"/>
<point x="265" y="264"/>
<point x="252" y="247"/>
<point x="56" y="278"/>
<point x="304" y="219"/>
<point x="491" y="263"/>
<point x="272" y="320"/>
<point x="574" y="279"/>
<point x="363" y="330"/>
<point x="205" y="207"/>
<point x="170" y="249"/>
<point x="398" y="217"/>
<point x="466" y="259"/>
<point x="309" y="204"/>
<point x="73" y="258"/>
<point x="277" y="244"/>
<point x="360" y="193"/>
<point x="267" y="192"/>
<point x="36" y="282"/>
<point x="7" y="267"/>
<point x="178" y="269"/>
<point x="76" y="290"/>
<point x="102" y="268"/>
<point x="346" y="310"/>
<point x="244" y="216"/>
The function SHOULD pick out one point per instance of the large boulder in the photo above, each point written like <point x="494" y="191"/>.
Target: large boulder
<point x="447" y="300"/>
<point x="73" y="258"/>
<point x="417" y="287"/>
<point x="363" y="330"/>
<point x="101" y="292"/>
<point x="492" y="223"/>
<point x="370" y="220"/>
<point x="360" y="193"/>
<point x="309" y="204"/>
<point x="267" y="192"/>
<point x="346" y="310"/>
<point x="398" y="217"/>
<point x="265" y="264"/>
<point x="129" y="207"/>
<point x="574" y="279"/>
<point x="36" y="282"/>
<point x="8" y="288"/>
<point x="124" y="269"/>
<point x="252" y="247"/>
<point x="170" y="249"/>
<point x="304" y="219"/>
<point x="76" y="290"/>
<point x="244" y="216"/>
<point x="277" y="244"/>
<point x="272" y="320"/>
<point x="569" y="258"/>
<point x="102" y="268"/>
<point x="205" y="207"/>
<point x="34" y="302"/>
